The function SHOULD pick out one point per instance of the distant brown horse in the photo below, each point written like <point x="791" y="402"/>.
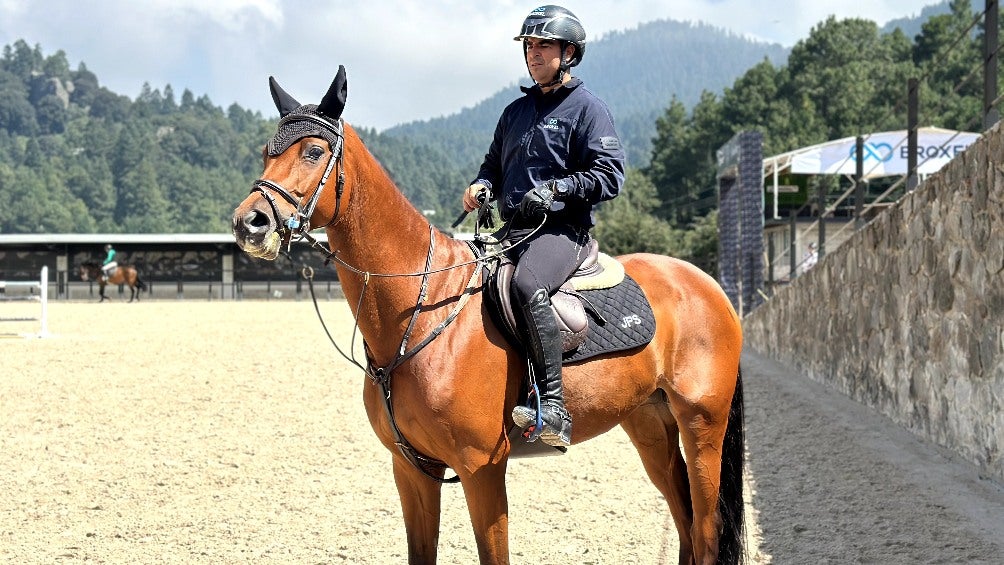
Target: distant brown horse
<point x="91" y="270"/>
<point x="452" y="398"/>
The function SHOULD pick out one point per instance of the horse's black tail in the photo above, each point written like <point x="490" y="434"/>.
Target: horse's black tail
<point x="731" y="544"/>
<point x="140" y="284"/>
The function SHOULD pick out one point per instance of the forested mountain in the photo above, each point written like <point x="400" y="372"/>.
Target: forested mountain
<point x="85" y="159"/>
<point x="847" y="78"/>
<point x="911" y="25"/>
<point x="637" y="72"/>
<point x="76" y="157"/>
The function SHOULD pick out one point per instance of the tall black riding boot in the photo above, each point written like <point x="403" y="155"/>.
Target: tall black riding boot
<point x="544" y="345"/>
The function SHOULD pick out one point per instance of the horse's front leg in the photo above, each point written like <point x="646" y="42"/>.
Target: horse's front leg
<point x="488" y="506"/>
<point x="420" y="502"/>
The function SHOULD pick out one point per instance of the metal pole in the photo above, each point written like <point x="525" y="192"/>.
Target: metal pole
<point x="991" y="115"/>
<point x="793" y="246"/>
<point x="770" y="264"/>
<point x="859" y="184"/>
<point x="913" y="86"/>
<point x="823" y="189"/>
<point x="44" y="296"/>
<point x="775" y="190"/>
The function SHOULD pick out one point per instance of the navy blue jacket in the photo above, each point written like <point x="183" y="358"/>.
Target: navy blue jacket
<point x="566" y="135"/>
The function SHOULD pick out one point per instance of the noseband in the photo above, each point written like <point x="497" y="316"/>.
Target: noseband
<point x="298" y="223"/>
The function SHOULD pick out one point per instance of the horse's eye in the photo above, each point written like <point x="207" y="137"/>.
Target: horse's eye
<point x="315" y="152"/>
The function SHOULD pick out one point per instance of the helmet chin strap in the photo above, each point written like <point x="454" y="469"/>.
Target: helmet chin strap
<point x="557" y="78"/>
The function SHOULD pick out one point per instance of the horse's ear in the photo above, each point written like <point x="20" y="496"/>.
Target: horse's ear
<point x="334" y="101"/>
<point x="283" y="102"/>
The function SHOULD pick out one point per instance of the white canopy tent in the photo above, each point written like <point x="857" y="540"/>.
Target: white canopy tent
<point x="885" y="154"/>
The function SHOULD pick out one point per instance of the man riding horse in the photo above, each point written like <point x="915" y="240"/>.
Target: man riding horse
<point x="455" y="376"/>
<point x="570" y="160"/>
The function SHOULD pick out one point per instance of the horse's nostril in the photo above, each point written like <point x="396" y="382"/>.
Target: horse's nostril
<point x="255" y="220"/>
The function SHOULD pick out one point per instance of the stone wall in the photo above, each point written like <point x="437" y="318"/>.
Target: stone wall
<point x="908" y="315"/>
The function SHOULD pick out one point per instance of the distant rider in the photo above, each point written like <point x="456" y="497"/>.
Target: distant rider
<point x="109" y="265"/>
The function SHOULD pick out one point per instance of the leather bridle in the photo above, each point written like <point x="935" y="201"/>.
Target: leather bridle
<point x="298" y="223"/>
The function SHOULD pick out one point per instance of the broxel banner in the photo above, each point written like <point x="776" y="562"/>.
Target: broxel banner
<point x="885" y="153"/>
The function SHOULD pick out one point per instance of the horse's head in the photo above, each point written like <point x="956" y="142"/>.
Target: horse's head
<point x="89" y="270"/>
<point x="301" y="186"/>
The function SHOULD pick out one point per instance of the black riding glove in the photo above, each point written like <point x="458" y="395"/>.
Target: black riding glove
<point x="537" y="201"/>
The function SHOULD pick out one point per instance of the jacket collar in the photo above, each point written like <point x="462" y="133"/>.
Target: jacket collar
<point x="536" y="91"/>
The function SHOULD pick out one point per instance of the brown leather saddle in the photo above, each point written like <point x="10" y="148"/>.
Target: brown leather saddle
<point x="571" y="308"/>
<point x="598" y="289"/>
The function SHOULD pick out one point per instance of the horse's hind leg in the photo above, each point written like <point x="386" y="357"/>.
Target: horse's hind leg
<point x="655" y="434"/>
<point x="420" y="502"/>
<point x="701" y="406"/>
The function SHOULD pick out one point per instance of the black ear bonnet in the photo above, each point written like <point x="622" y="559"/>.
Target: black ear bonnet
<point x="305" y="121"/>
<point x="308" y="120"/>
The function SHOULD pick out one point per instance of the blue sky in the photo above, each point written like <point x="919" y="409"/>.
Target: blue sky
<point x="405" y="60"/>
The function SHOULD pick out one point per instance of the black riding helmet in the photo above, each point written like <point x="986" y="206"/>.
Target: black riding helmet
<point x="557" y="23"/>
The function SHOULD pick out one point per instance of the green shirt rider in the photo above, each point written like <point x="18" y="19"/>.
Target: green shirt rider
<point x="109" y="265"/>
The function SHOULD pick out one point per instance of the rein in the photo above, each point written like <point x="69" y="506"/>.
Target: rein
<point x="297" y="227"/>
<point x="381" y="376"/>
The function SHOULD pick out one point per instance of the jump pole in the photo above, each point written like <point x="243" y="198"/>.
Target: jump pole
<point x="43" y="287"/>
<point x="44" y="294"/>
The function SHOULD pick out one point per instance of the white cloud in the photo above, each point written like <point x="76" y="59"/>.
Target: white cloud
<point x="405" y="60"/>
<point x="229" y="14"/>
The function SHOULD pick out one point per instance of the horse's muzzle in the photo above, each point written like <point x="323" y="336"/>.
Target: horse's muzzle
<point x="256" y="232"/>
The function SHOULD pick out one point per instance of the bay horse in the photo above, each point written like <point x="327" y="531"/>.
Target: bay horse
<point x="91" y="270"/>
<point x="453" y="393"/>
